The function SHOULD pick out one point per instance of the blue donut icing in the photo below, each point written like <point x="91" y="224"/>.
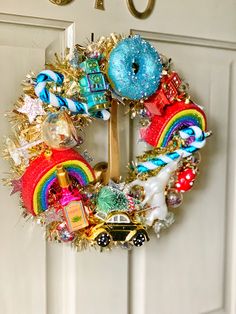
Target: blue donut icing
<point x="125" y="80"/>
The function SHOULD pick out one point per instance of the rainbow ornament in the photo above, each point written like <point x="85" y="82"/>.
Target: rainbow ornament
<point x="177" y="116"/>
<point x="41" y="174"/>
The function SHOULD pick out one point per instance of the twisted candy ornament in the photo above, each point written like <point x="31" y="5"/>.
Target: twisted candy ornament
<point x="57" y="101"/>
<point x="162" y="160"/>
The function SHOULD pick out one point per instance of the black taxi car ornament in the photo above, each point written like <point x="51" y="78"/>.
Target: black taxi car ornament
<point x="118" y="227"/>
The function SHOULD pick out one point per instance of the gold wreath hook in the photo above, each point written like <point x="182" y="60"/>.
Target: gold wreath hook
<point x="145" y="13"/>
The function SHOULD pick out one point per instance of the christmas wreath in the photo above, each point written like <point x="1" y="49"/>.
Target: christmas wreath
<point x="94" y="206"/>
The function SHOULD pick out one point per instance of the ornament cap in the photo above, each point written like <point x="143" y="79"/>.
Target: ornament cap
<point x="62" y="177"/>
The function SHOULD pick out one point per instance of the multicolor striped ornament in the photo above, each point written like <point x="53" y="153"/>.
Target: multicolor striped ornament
<point x="41" y="174"/>
<point x="177" y="116"/>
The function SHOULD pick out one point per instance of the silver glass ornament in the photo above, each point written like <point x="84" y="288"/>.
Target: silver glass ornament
<point x="195" y="158"/>
<point x="174" y="198"/>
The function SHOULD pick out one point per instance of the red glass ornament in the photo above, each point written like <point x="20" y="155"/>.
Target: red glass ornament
<point x="185" y="180"/>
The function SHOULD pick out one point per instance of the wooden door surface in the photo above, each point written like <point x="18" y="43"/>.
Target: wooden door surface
<point x="191" y="269"/>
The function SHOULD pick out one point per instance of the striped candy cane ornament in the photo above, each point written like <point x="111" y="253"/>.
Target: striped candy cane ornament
<point x="57" y="101"/>
<point x="131" y="203"/>
<point x="162" y="160"/>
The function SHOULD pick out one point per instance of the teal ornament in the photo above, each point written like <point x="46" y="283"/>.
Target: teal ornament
<point x="93" y="86"/>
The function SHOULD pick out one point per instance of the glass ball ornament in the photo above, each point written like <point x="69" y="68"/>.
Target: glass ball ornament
<point x="174" y="198"/>
<point x="163" y="224"/>
<point x="195" y="158"/>
<point x="137" y="192"/>
<point x="185" y="180"/>
<point x="58" y="131"/>
<point x="126" y="246"/>
<point x="64" y="234"/>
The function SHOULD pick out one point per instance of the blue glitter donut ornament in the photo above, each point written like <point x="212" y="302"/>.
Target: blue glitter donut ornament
<point x="134" y="68"/>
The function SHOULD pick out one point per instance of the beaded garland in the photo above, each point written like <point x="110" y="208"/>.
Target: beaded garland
<point x="83" y="204"/>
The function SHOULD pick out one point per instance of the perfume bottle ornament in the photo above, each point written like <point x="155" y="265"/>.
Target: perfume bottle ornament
<point x="71" y="200"/>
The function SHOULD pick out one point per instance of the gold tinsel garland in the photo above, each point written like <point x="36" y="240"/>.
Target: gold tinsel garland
<point x="26" y="144"/>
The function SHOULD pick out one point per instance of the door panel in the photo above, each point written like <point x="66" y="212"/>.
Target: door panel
<point x="51" y="278"/>
<point x="186" y="270"/>
<point x="24" y="45"/>
<point x="191" y="269"/>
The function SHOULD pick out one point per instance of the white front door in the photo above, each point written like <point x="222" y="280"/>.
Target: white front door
<point x="191" y="269"/>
